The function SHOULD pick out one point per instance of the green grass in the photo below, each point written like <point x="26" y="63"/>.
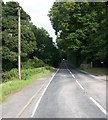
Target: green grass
<point x="15" y="85"/>
<point x="96" y="71"/>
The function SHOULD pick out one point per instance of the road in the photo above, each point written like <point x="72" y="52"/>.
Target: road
<point x="72" y="94"/>
<point x="68" y="93"/>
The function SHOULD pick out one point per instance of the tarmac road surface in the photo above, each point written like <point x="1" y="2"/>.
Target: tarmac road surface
<point x="68" y="93"/>
<point x="72" y="94"/>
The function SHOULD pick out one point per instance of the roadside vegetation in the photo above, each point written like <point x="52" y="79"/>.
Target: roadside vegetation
<point x="12" y="84"/>
<point x="82" y="30"/>
<point x="35" y="42"/>
<point x="38" y="51"/>
<point x="96" y="71"/>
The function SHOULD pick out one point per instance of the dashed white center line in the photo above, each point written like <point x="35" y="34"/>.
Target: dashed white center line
<point x="91" y="98"/>
<point x="76" y="80"/>
<point x="80" y="85"/>
<point x="71" y="73"/>
<point x="98" y="105"/>
<point x="73" y="76"/>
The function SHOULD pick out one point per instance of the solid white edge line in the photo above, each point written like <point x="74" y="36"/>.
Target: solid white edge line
<point x="37" y="104"/>
<point x="22" y="110"/>
<point x="80" y="85"/>
<point x="71" y="73"/>
<point x="98" y="105"/>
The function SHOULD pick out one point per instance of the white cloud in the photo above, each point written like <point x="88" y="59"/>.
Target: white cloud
<point x="38" y="11"/>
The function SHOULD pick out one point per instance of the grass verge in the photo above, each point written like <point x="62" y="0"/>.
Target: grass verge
<point x="96" y="71"/>
<point x="15" y="85"/>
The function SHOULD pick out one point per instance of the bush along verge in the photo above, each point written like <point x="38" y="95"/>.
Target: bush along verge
<point x="11" y="83"/>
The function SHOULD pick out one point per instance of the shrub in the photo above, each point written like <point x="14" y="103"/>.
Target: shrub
<point x="33" y="63"/>
<point x="12" y="74"/>
<point x="28" y="68"/>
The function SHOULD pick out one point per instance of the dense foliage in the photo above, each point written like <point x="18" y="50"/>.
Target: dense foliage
<point x="81" y="30"/>
<point x="46" y="48"/>
<point x="35" y="42"/>
<point x="10" y="35"/>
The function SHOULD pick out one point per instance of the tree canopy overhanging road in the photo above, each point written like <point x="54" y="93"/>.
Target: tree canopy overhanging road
<point x="82" y="30"/>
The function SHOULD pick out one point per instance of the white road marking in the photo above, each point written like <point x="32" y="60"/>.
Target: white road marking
<point x="80" y="85"/>
<point x="98" y="105"/>
<point x="71" y="73"/>
<point x="22" y="110"/>
<point x="69" y="70"/>
<point x="37" y="104"/>
<point x="73" y="76"/>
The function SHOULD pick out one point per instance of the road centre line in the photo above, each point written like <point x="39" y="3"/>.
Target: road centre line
<point x="37" y="104"/>
<point x="65" y="64"/>
<point x="71" y="73"/>
<point x="80" y="85"/>
<point x="98" y="105"/>
<point x="76" y="80"/>
<point x="91" y="98"/>
<point x="73" y="76"/>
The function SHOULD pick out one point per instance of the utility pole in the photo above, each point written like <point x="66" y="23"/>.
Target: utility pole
<point x="19" y="45"/>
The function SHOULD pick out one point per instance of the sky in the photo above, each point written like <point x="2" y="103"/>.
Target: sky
<point x="38" y="11"/>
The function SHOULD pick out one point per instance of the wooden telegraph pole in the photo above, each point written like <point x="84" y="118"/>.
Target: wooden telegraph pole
<point x="19" y="45"/>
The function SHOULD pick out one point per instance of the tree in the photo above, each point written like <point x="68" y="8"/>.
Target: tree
<point x="10" y="35"/>
<point x="46" y="49"/>
<point x="80" y="27"/>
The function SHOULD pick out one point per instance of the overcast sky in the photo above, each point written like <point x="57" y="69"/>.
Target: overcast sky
<point x="38" y="11"/>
